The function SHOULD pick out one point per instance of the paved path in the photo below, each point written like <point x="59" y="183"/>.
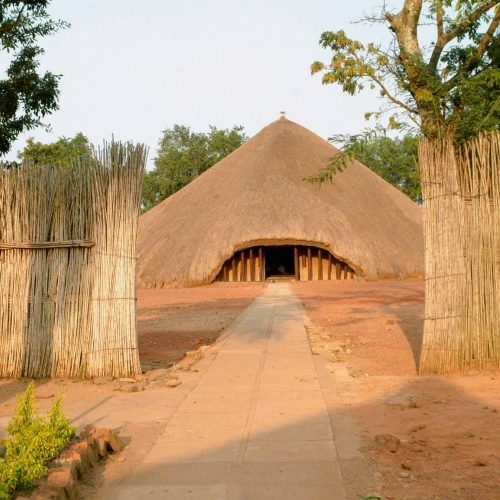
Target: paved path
<point x="256" y="425"/>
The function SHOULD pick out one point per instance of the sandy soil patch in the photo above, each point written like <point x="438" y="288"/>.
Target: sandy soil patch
<point x="173" y="321"/>
<point x="448" y="426"/>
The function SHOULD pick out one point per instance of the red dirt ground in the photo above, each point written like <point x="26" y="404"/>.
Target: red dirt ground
<point x="449" y="426"/>
<point x="173" y="321"/>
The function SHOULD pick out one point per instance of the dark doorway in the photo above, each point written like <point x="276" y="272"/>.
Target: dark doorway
<point x="279" y="261"/>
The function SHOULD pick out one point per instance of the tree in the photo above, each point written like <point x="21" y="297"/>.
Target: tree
<point x="26" y="95"/>
<point x="183" y="155"/>
<point x="395" y="160"/>
<point x="448" y="88"/>
<point x="61" y="152"/>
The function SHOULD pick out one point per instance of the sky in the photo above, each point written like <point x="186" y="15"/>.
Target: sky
<point x="135" y="68"/>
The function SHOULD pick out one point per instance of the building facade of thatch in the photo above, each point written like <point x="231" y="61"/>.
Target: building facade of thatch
<point x="253" y="216"/>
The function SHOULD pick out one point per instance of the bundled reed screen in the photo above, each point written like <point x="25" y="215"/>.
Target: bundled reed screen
<point x="461" y="189"/>
<point x="67" y="266"/>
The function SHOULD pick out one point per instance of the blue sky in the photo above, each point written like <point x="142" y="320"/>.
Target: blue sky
<point x="133" y="68"/>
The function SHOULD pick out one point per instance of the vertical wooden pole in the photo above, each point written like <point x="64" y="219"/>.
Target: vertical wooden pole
<point x="320" y="264"/>
<point x="338" y="270"/>
<point x="296" y="262"/>
<point x="303" y="252"/>
<point x="234" y="268"/>
<point x="309" y="264"/>
<point x="330" y="266"/>
<point x="252" y="265"/>
<point x="224" y="271"/>
<point x="263" y="263"/>
<point x="243" y="271"/>
<point x="345" y="270"/>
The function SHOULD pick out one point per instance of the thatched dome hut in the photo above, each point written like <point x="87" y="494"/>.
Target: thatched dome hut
<point x="252" y="216"/>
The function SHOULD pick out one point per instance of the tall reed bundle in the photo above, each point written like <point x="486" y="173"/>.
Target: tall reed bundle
<point x="461" y="190"/>
<point x="479" y="170"/>
<point x="53" y="221"/>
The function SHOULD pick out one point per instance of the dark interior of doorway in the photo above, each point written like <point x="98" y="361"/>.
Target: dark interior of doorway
<point x="279" y="261"/>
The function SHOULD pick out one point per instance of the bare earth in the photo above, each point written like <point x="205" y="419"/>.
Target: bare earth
<point x="448" y="425"/>
<point x="368" y="335"/>
<point x="173" y="321"/>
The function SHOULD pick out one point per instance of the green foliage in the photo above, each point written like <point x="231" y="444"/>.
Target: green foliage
<point x="59" y="153"/>
<point x="33" y="441"/>
<point x="449" y="87"/>
<point x="26" y="95"/>
<point x="393" y="159"/>
<point x="183" y="155"/>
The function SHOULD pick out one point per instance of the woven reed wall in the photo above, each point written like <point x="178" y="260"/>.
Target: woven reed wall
<point x="461" y="190"/>
<point x="67" y="266"/>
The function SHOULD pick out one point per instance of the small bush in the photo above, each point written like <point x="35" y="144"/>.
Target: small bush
<point x="33" y="442"/>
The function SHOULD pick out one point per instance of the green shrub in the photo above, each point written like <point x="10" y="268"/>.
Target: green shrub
<point x="33" y="441"/>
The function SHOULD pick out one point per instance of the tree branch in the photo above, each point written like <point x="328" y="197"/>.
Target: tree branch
<point x="475" y="58"/>
<point x="405" y="24"/>
<point x="391" y="97"/>
<point x="445" y="38"/>
<point x="438" y="48"/>
<point x="15" y="24"/>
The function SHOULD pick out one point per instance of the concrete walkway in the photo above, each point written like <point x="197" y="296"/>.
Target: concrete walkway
<point x="256" y="425"/>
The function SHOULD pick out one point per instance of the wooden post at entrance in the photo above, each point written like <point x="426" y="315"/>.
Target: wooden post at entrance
<point x="345" y="271"/>
<point x="234" y="268"/>
<point x="224" y="272"/>
<point x="309" y="264"/>
<point x="329" y="266"/>
<point x="338" y="270"/>
<point x="320" y="264"/>
<point x="252" y="265"/>
<point x="264" y="274"/>
<point x="243" y="271"/>
<point x="262" y="258"/>
<point x="296" y="262"/>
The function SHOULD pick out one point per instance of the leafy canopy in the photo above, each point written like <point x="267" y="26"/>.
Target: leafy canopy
<point x="183" y="155"/>
<point x="450" y="86"/>
<point x="59" y="153"/>
<point x="395" y="160"/>
<point x="26" y="95"/>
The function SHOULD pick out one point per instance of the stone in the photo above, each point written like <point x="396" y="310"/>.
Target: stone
<point x="111" y="438"/>
<point x="388" y="441"/>
<point x="129" y="388"/>
<point x="127" y="380"/>
<point x="156" y="374"/>
<point x="406" y="465"/>
<point x="49" y="493"/>
<point x="102" y="447"/>
<point x="173" y="382"/>
<point x="64" y="480"/>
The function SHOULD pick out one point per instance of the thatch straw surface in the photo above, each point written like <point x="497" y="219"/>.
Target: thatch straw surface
<point x="257" y="195"/>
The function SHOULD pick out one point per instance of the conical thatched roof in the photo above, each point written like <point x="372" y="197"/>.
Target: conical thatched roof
<point x="257" y="195"/>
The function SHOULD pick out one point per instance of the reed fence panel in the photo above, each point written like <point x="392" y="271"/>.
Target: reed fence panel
<point x="461" y="191"/>
<point x="67" y="266"/>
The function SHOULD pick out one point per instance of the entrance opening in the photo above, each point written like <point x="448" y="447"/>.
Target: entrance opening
<point x="279" y="262"/>
<point x="301" y="262"/>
